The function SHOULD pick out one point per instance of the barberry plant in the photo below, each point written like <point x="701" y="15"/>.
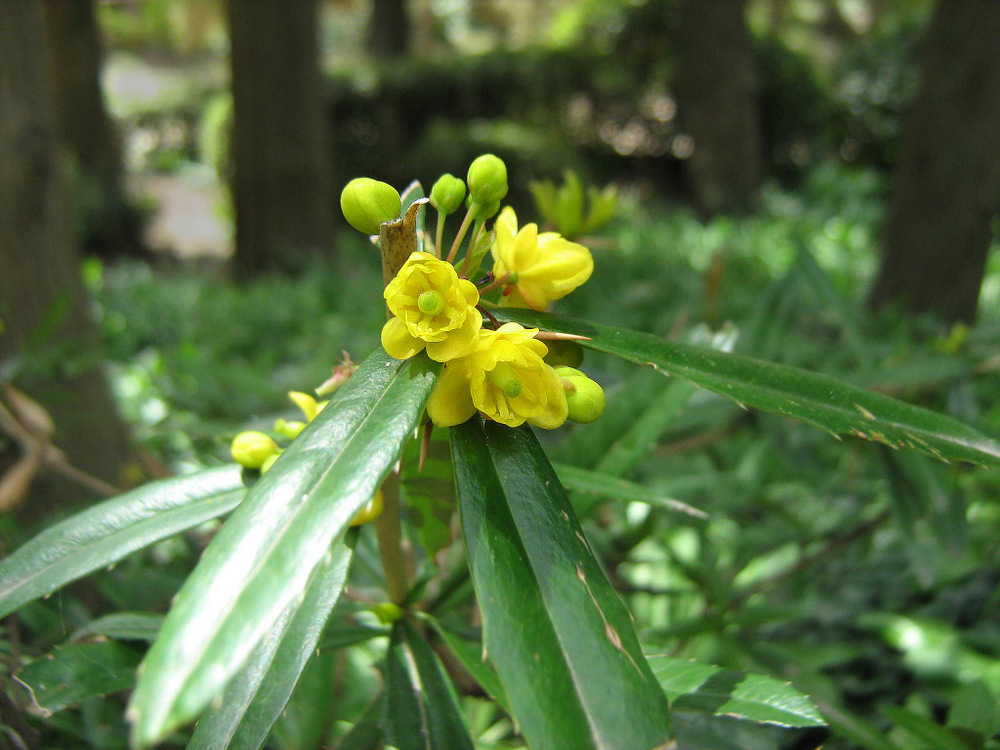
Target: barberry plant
<point x="471" y="358"/>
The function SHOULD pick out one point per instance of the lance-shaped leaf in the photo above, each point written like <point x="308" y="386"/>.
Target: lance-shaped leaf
<point x="255" y="698"/>
<point x="560" y="637"/>
<point x="263" y="557"/>
<point x="421" y="708"/>
<point x="111" y="530"/>
<point x="694" y="686"/>
<point x="78" y="671"/>
<point x="789" y="391"/>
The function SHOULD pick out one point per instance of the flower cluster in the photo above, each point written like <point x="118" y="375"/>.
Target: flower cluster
<point x="441" y="305"/>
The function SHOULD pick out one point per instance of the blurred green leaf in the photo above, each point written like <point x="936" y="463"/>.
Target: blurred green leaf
<point x="819" y="399"/>
<point x="258" y="693"/>
<point x="78" y="671"/>
<point x="924" y="732"/>
<point x="264" y="555"/>
<point x="123" y="626"/>
<point x="565" y="642"/>
<point x="976" y="709"/>
<point x="421" y="708"/>
<point x="597" y="483"/>
<point x="693" y="686"/>
<point x="430" y="494"/>
<point x="109" y="531"/>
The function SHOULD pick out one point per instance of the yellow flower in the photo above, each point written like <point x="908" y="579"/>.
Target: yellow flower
<point x="432" y="307"/>
<point x="503" y="378"/>
<point x="542" y="267"/>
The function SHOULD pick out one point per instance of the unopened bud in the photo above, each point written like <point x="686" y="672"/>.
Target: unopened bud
<point x="370" y="512"/>
<point x="251" y="449"/>
<point x="563" y="353"/>
<point x="387" y="612"/>
<point x="368" y="203"/>
<point x="287" y="429"/>
<point x="585" y="398"/>
<point x="447" y="194"/>
<point x="269" y="461"/>
<point x="487" y="180"/>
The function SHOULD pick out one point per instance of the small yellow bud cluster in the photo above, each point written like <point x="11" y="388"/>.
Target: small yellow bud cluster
<point x="258" y="451"/>
<point x="503" y="372"/>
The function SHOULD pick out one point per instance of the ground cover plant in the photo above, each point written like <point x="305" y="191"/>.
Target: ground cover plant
<point x="534" y="576"/>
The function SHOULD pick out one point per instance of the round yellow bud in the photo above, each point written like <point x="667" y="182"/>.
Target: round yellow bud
<point x="447" y="194"/>
<point x="584" y="397"/>
<point x="269" y="461"/>
<point x="368" y="203"/>
<point x="487" y="180"/>
<point x="287" y="429"/>
<point x="370" y="512"/>
<point x="251" y="449"/>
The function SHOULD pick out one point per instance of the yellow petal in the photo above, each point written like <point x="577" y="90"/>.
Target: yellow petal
<point x="458" y="342"/>
<point x="306" y="403"/>
<point x="556" y="410"/>
<point x="450" y="403"/>
<point x="397" y="341"/>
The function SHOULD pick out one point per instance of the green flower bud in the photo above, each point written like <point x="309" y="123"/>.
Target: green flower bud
<point x="564" y="353"/>
<point x="387" y="612"/>
<point x="487" y="180"/>
<point x="483" y="211"/>
<point x="252" y="449"/>
<point x="447" y="194"/>
<point x="585" y="398"/>
<point x="269" y="461"/>
<point x="368" y="203"/>
<point x="287" y="429"/>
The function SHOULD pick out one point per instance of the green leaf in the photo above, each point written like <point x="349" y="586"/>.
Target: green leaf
<point x="430" y="494"/>
<point x="560" y="637"/>
<point x="79" y="671"/>
<point x="111" y="530"/>
<point x="923" y="731"/>
<point x="123" y="626"/>
<point x="470" y="653"/>
<point x="789" y="391"/>
<point x="597" y="483"/>
<point x="421" y="708"/>
<point x="693" y="686"/>
<point x="264" y="555"/>
<point x="255" y="698"/>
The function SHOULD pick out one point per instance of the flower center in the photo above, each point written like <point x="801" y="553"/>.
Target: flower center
<point x="502" y="377"/>
<point x="430" y="302"/>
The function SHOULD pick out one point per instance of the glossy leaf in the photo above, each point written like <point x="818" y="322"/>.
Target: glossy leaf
<point x="264" y="555"/>
<point x="421" y="708"/>
<point x="111" y="530"/>
<point x="789" y="391"/>
<point x="693" y="686"/>
<point x="257" y="695"/>
<point x="560" y="637"/>
<point x="78" y="671"/>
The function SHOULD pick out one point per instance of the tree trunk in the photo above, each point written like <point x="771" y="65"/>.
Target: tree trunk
<point x="49" y="344"/>
<point x="947" y="185"/>
<point x="389" y="29"/>
<point x="717" y="104"/>
<point x="73" y="44"/>
<point x="282" y="175"/>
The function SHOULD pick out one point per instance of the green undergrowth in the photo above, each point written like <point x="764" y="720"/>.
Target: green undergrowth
<point x="866" y="576"/>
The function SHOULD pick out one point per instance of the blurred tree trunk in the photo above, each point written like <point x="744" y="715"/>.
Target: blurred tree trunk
<point x="48" y="341"/>
<point x="389" y="29"/>
<point x="282" y="172"/>
<point x="74" y="55"/>
<point x="717" y="104"/>
<point x="947" y="185"/>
